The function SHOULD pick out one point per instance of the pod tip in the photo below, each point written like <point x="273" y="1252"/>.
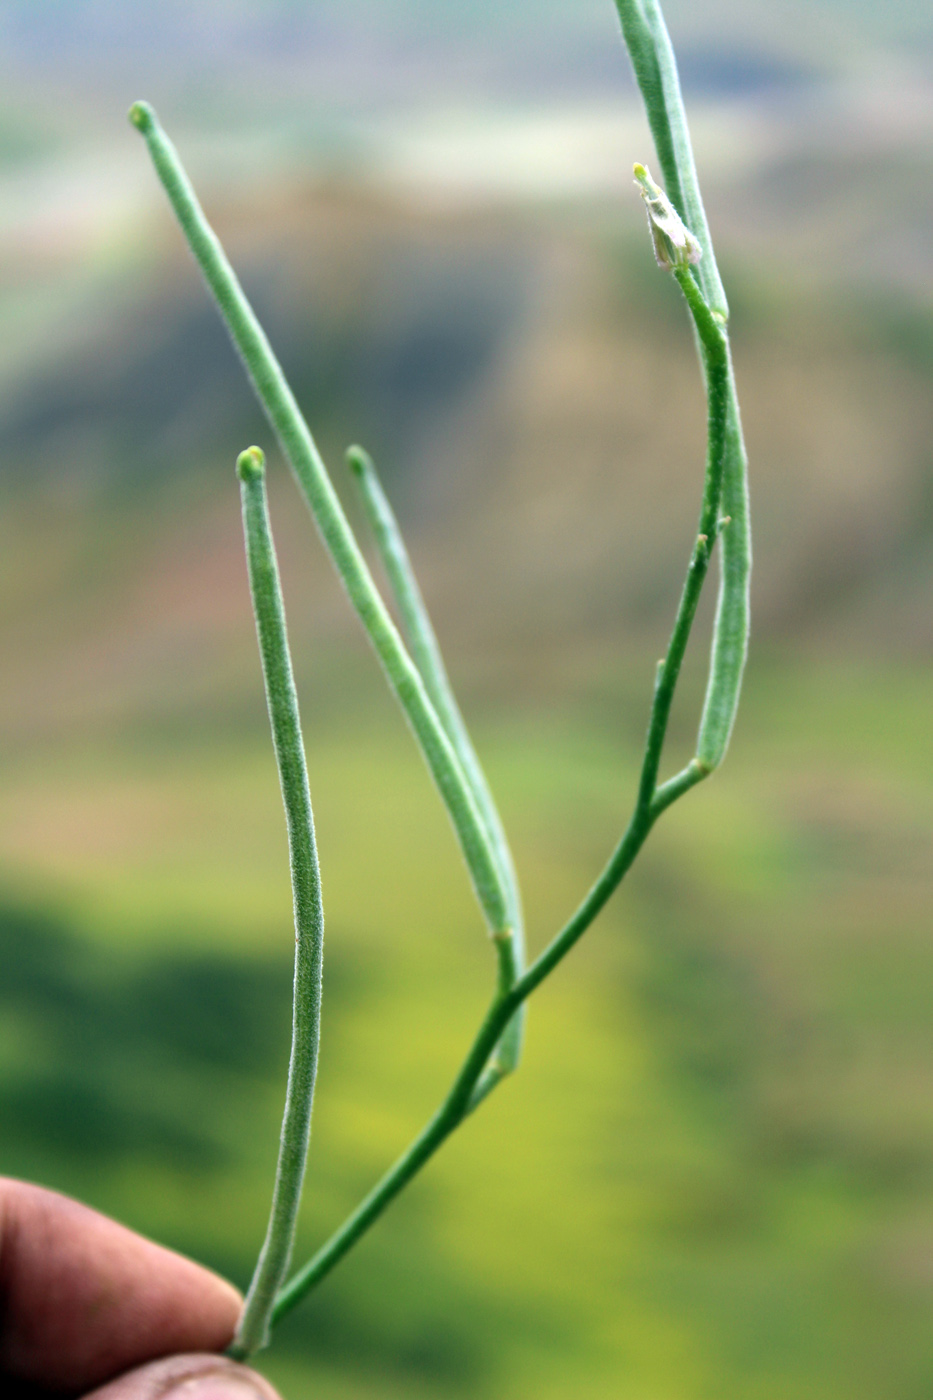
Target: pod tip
<point x="142" y="117"/>
<point x="358" y="460"/>
<point x="251" y="464"/>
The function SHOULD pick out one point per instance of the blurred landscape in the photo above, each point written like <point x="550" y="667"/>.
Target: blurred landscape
<point x="714" y="1173"/>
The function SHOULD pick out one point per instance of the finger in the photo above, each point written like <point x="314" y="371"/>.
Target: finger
<point x="82" y="1298"/>
<point x="188" y="1378"/>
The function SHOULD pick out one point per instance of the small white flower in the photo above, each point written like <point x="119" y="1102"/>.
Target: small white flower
<point x="674" y="244"/>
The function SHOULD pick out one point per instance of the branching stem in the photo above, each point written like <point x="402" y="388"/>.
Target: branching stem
<point x="652" y="56"/>
<point x="420" y="680"/>
<point x="475" y="1080"/>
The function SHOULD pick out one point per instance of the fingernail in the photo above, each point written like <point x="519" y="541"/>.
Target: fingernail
<point x="219" y="1386"/>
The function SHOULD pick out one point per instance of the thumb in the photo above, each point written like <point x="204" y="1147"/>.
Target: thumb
<point x="188" y="1378"/>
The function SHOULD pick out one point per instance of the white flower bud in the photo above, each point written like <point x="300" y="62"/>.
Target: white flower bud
<point x="674" y="244"/>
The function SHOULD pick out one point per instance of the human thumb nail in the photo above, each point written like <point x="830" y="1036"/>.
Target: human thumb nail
<point x="188" y="1378"/>
<point x="219" y="1386"/>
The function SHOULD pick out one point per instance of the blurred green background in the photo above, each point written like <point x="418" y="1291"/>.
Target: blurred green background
<point x="714" y="1174"/>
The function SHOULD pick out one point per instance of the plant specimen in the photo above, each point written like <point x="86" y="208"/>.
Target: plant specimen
<point x="414" y="669"/>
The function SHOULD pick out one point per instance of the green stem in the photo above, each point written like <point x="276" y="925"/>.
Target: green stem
<point x="655" y="66"/>
<point x="302" y="453"/>
<point x="716" y="364"/>
<point x="446" y="1119"/>
<point x="652" y="56"/>
<point x="426" y="654"/>
<point x="477" y="1076"/>
<point x="468" y="1089"/>
<point x="253" y="1328"/>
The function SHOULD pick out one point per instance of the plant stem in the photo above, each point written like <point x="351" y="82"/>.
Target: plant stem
<point x="655" y="66"/>
<point x="467" y="1091"/>
<point x="423" y="688"/>
<point x="475" y="1080"/>
<point x="253" y="1328"/>
<point x="426" y="654"/>
<point x="445" y="1120"/>
<point x="716" y="361"/>
<point x="310" y="472"/>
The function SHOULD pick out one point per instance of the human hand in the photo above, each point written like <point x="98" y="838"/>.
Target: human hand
<point x="90" y="1309"/>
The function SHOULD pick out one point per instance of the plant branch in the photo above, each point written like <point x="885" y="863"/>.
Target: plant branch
<point x="652" y="55"/>
<point x="253" y="1328"/>
<point x="477" y="1078"/>
<point x="472" y="1084"/>
<point x="681" y="238"/>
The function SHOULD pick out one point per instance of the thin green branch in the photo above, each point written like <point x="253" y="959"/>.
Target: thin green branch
<point x="308" y="467"/>
<point x="426" y="654"/>
<point x="666" y="793"/>
<point x="716" y="362"/>
<point x="253" y="1328"/>
<point x="655" y="66"/>
<point x="446" y="1119"/>
<point x="477" y="1077"/>
<point x="678" y="243"/>
<point x="724" y="489"/>
<point x="473" y="1082"/>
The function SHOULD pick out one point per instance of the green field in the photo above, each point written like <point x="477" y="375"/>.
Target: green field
<point x="711" y="1175"/>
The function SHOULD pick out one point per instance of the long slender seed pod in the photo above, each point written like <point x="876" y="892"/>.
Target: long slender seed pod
<point x="733" y="615"/>
<point x="425" y="651"/>
<point x="301" y="452"/>
<point x="426" y="654"/>
<point x="253" y="1328"/>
